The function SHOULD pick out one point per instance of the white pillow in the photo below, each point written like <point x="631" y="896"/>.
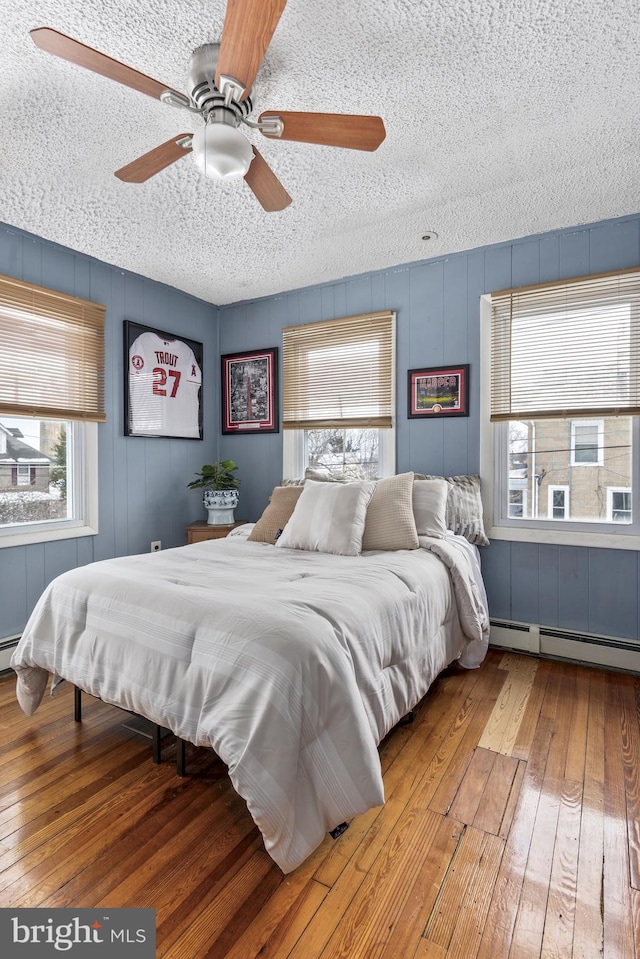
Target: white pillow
<point x="430" y="507"/>
<point x="328" y="518"/>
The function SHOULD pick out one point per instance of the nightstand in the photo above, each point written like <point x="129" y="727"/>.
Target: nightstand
<point x="201" y="531"/>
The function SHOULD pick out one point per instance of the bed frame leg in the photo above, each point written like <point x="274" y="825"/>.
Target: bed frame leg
<point x="408" y="719"/>
<point x="77" y="704"/>
<point x="181" y="761"/>
<point x="157" y="743"/>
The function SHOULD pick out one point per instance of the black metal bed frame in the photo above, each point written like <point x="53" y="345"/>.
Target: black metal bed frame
<point x="156" y="737"/>
<point x="181" y="761"/>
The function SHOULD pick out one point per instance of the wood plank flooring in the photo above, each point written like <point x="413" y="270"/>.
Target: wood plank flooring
<point x="511" y="829"/>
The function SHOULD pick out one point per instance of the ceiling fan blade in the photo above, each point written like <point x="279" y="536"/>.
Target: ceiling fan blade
<point x="266" y="186"/>
<point x="246" y="34"/>
<point x="329" y="129"/>
<point x="75" y="52"/>
<point x="155" y="160"/>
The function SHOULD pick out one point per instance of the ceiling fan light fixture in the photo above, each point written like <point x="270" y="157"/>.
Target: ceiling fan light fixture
<point x="221" y="151"/>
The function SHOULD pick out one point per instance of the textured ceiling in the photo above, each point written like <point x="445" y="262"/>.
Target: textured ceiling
<point x="504" y="118"/>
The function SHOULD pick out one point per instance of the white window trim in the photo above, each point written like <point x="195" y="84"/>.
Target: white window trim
<point x="600" y="427"/>
<point x="501" y="529"/>
<point x="293" y="466"/>
<point x="565" y="505"/>
<point x="610" y="491"/>
<point x="86" y="487"/>
<point x="525" y="499"/>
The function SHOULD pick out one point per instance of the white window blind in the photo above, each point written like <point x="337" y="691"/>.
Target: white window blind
<point x="51" y="353"/>
<point x="339" y="373"/>
<point x="569" y="348"/>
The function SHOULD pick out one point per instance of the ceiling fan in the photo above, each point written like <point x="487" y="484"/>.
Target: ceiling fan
<point x="220" y="79"/>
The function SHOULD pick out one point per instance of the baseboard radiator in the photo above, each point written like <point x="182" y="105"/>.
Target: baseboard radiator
<point x="561" y="643"/>
<point x="7" y="647"/>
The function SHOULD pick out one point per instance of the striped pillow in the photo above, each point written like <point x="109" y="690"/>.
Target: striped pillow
<point x="328" y="518"/>
<point x="464" y="507"/>
<point x="390" y="521"/>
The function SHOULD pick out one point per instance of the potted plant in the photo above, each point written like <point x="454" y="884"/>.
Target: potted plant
<point x="219" y="491"/>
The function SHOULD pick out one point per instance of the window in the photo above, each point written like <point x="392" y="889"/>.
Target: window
<point x="338" y="396"/>
<point x="619" y="505"/>
<point x="517" y="503"/>
<point x="587" y="442"/>
<point x="47" y="494"/>
<point x="558" y="502"/>
<point x="51" y="398"/>
<point x="23" y="476"/>
<point x="560" y="422"/>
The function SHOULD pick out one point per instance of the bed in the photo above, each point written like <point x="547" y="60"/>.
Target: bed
<point x="291" y="664"/>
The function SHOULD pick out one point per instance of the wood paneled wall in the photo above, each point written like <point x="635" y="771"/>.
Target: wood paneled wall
<point x="142" y="482"/>
<point x="143" y="492"/>
<point x="438" y="321"/>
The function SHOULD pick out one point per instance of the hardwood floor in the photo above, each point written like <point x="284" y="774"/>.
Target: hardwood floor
<point x="511" y="829"/>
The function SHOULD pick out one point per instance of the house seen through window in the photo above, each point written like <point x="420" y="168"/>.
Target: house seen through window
<point x="564" y="404"/>
<point x="560" y="470"/>
<point x="34" y="470"/>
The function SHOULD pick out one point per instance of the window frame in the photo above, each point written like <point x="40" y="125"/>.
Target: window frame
<point x="20" y="471"/>
<point x="294" y="453"/>
<point x="45" y="329"/>
<point x="566" y="500"/>
<point x="599" y="424"/>
<point x="610" y="493"/>
<point x="605" y="535"/>
<point x="299" y="341"/>
<point x="522" y="504"/>
<point x="84" y="490"/>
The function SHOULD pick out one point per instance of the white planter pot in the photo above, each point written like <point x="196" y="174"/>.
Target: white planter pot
<point x="220" y="505"/>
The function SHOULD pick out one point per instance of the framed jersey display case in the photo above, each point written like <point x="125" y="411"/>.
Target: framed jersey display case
<point x="163" y="383"/>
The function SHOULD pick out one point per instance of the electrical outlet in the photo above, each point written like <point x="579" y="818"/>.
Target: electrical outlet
<point x="156" y="545"/>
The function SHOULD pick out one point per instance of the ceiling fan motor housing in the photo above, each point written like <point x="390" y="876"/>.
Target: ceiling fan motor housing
<point x="205" y="94"/>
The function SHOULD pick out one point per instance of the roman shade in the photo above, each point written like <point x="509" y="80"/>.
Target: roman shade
<point x="339" y="373"/>
<point x="51" y="353"/>
<point x="568" y="348"/>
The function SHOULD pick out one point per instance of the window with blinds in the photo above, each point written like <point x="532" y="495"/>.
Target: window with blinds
<point x="51" y="353"/>
<point x="51" y="400"/>
<point x="570" y="348"/>
<point x="339" y="373"/>
<point x="564" y="399"/>
<point x="339" y="397"/>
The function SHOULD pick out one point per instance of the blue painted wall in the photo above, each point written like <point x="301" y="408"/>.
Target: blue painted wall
<point x="438" y="321"/>
<point x="142" y="482"/>
<point x="143" y="493"/>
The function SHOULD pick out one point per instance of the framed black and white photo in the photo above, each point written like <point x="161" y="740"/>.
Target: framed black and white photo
<point x="249" y="392"/>
<point x="438" y="391"/>
<point x="163" y="383"/>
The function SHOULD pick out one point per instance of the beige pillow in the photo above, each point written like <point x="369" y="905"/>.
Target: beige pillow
<point x="281" y="505"/>
<point x="390" y="521"/>
<point x="430" y="507"/>
<point x="328" y="518"/>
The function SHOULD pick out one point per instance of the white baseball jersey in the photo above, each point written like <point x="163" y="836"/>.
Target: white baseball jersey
<point x="164" y="387"/>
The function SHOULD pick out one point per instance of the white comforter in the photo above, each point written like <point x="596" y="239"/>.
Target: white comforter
<point x="291" y="665"/>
